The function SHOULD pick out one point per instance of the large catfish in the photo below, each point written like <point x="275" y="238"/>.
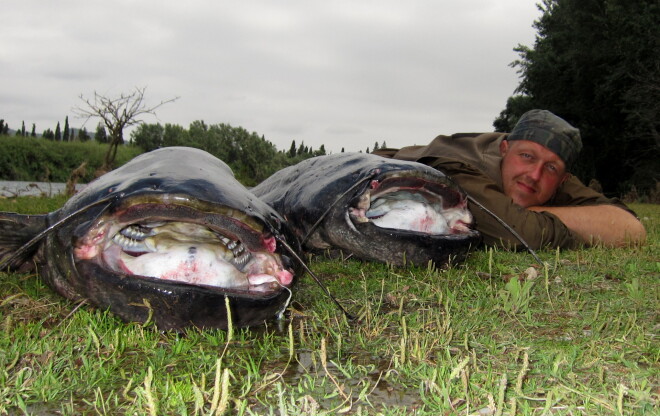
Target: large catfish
<point x="166" y="237"/>
<point x="379" y="209"/>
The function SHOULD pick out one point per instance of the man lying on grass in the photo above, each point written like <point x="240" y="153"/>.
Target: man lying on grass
<point x="523" y="177"/>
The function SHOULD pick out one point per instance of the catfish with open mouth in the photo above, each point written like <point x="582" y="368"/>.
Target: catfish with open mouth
<point x="380" y="209"/>
<point x="166" y="237"/>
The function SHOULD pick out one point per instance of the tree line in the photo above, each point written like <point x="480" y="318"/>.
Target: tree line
<point x="250" y="155"/>
<point x="60" y="134"/>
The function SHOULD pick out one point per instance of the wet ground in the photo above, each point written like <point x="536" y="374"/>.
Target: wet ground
<point x="25" y="188"/>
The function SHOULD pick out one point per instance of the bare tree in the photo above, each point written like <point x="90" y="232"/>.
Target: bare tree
<point x="117" y="113"/>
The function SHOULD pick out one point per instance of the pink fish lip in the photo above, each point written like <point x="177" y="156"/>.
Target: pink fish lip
<point x="460" y="227"/>
<point x="281" y="278"/>
<point x="285" y="277"/>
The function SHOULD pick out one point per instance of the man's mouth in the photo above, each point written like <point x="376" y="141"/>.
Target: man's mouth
<point x="525" y="187"/>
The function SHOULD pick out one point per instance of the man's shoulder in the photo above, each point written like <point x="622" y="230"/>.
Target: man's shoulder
<point x="480" y="136"/>
<point x="481" y="150"/>
<point x="462" y="143"/>
<point x="476" y="150"/>
<point x="456" y="139"/>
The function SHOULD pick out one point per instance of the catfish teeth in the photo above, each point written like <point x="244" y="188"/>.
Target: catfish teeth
<point x="136" y="232"/>
<point x="241" y="255"/>
<point x="135" y="240"/>
<point x="130" y="244"/>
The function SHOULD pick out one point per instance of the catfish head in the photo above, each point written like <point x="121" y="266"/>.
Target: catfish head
<point x="379" y="209"/>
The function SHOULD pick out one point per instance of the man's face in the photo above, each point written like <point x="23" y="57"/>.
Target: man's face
<point x="531" y="173"/>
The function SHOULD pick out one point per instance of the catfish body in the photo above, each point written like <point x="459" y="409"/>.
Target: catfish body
<point x="166" y="237"/>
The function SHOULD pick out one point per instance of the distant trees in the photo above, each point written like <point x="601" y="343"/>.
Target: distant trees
<point x="68" y="134"/>
<point x="175" y="135"/>
<point x="596" y="63"/>
<point x="303" y="152"/>
<point x="251" y="156"/>
<point x="65" y="135"/>
<point x="58" y="133"/>
<point x="48" y="134"/>
<point x="148" y="136"/>
<point x="117" y="113"/>
<point x="101" y="135"/>
<point x="376" y="147"/>
<point x="83" y="136"/>
<point x="21" y="132"/>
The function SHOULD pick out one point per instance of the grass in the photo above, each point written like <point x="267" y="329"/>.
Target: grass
<point x="490" y="336"/>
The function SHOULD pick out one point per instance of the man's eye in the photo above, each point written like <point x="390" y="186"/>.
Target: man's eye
<point x="526" y="155"/>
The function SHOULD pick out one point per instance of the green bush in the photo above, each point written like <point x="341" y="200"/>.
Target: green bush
<point x="36" y="159"/>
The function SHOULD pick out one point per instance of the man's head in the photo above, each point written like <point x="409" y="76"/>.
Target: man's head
<point x="536" y="157"/>
<point x="550" y="131"/>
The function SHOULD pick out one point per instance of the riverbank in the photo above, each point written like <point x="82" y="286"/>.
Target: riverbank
<point x="9" y="189"/>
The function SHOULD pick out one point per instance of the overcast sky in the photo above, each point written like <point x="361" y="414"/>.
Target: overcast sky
<point x="339" y="73"/>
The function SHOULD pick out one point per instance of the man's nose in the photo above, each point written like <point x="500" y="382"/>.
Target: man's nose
<point x="536" y="171"/>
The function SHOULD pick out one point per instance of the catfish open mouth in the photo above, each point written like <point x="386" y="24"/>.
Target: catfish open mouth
<point x="413" y="204"/>
<point x="198" y="248"/>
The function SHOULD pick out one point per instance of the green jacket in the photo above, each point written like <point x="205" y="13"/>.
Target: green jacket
<point x="473" y="161"/>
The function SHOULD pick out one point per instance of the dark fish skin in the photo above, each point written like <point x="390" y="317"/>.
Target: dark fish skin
<point x="175" y="183"/>
<point x="304" y="192"/>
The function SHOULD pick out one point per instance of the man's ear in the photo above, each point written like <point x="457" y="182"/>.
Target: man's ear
<point x="504" y="147"/>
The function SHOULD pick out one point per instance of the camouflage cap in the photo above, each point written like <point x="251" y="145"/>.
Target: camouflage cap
<point x="545" y="128"/>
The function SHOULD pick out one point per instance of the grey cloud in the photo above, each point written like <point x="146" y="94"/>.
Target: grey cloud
<point x="343" y="74"/>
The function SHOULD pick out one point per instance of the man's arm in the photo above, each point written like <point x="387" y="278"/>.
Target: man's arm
<point x="536" y="228"/>
<point x="605" y="224"/>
